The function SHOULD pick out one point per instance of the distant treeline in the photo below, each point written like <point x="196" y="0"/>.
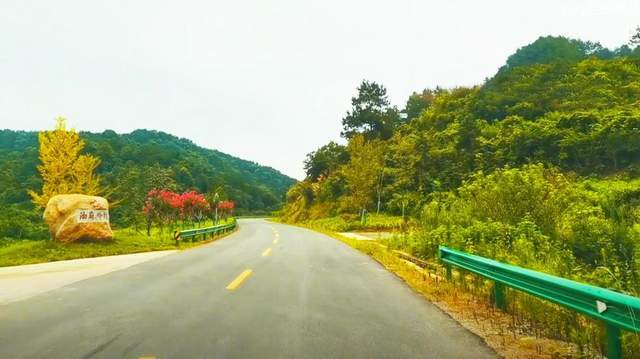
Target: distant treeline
<point x="131" y="165"/>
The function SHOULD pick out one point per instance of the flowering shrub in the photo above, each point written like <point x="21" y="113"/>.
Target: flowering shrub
<point x="226" y="208"/>
<point x="193" y="206"/>
<point x="167" y="207"/>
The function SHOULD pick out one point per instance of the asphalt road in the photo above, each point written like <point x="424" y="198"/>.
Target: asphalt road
<point x="267" y="291"/>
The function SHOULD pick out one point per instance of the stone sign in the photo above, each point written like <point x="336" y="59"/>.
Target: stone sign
<point x="73" y="217"/>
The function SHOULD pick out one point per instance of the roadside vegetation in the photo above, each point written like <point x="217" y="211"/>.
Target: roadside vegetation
<point x="125" y="241"/>
<point x="146" y="217"/>
<point x="539" y="167"/>
<point x="128" y="167"/>
<point x="347" y="222"/>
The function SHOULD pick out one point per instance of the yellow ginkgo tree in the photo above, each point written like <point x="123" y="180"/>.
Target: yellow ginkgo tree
<point x="62" y="168"/>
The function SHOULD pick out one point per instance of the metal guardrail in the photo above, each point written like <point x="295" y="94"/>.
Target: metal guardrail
<point x="204" y="231"/>
<point x="618" y="311"/>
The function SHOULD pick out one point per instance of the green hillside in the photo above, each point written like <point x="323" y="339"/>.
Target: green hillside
<point x="539" y="166"/>
<point x="131" y="165"/>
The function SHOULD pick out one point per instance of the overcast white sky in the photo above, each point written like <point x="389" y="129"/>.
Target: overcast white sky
<point x="266" y="81"/>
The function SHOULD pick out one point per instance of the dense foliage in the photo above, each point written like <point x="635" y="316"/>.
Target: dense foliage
<point x="538" y="166"/>
<point x="131" y="165"/>
<point x="63" y="168"/>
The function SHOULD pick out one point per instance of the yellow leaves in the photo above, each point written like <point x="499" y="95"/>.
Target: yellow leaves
<point x="364" y="169"/>
<point x="62" y="168"/>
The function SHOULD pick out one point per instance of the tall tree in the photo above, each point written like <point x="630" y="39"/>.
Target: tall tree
<point x="371" y="114"/>
<point x="364" y="171"/>
<point x="63" y="168"/>
<point x="419" y="102"/>
<point x="549" y="49"/>
<point x="325" y="160"/>
<point x="635" y="38"/>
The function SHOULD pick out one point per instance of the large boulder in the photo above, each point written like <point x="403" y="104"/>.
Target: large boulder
<point x="72" y="217"/>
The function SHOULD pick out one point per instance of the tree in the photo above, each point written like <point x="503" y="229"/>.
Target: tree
<point x="325" y="160"/>
<point x="213" y="197"/>
<point x="365" y="170"/>
<point x="371" y="113"/>
<point x="549" y="49"/>
<point x="635" y="38"/>
<point x="63" y="168"/>
<point x="419" y="102"/>
<point x="227" y="207"/>
<point x="194" y="206"/>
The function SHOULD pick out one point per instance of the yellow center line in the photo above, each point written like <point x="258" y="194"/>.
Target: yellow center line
<point x="239" y="279"/>
<point x="267" y="252"/>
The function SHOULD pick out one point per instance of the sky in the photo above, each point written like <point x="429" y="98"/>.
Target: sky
<point x="267" y="81"/>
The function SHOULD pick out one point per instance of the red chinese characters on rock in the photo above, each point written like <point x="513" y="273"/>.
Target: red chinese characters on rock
<point x="90" y="216"/>
<point x="75" y="217"/>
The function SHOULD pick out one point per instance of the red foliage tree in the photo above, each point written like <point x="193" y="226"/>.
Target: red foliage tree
<point x="194" y="206"/>
<point x="166" y="207"/>
<point x="226" y="208"/>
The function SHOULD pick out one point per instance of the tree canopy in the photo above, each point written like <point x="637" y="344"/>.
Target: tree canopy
<point x="371" y="114"/>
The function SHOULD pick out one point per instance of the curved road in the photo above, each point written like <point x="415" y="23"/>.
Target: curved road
<point x="266" y="291"/>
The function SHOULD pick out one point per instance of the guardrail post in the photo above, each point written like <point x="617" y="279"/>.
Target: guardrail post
<point x="176" y="236"/>
<point x="498" y="296"/>
<point x="448" y="271"/>
<point x="614" y="344"/>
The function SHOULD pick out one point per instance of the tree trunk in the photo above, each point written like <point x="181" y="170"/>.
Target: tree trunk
<point x="379" y="190"/>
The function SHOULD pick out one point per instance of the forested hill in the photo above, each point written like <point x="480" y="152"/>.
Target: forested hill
<point x="538" y="166"/>
<point x="567" y="104"/>
<point x="132" y="163"/>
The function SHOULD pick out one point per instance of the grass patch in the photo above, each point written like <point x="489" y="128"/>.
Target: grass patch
<point x="18" y="252"/>
<point x="346" y="223"/>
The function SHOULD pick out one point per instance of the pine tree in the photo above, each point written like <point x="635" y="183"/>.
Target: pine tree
<point x="63" y="168"/>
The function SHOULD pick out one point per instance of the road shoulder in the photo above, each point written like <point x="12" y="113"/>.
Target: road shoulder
<point x="25" y="281"/>
<point x="493" y="327"/>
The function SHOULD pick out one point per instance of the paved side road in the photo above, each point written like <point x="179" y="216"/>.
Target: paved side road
<point x="267" y="291"/>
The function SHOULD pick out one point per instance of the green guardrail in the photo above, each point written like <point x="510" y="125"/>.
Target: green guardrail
<point x="204" y="231"/>
<point x="618" y="311"/>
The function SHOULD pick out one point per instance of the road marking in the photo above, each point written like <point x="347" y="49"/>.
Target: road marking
<point x="267" y="252"/>
<point x="239" y="279"/>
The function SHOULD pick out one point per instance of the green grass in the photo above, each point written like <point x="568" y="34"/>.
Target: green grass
<point x="18" y="252"/>
<point x="375" y="222"/>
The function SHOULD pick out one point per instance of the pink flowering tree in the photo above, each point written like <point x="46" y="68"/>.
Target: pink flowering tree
<point x="194" y="206"/>
<point x="166" y="207"/>
<point x="163" y="207"/>
<point x="226" y="208"/>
